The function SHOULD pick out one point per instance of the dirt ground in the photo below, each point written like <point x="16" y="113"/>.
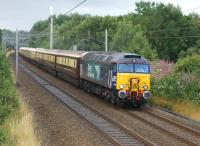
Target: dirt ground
<point x="55" y="124"/>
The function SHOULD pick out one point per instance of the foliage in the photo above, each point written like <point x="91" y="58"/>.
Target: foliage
<point x="178" y="86"/>
<point x="161" y="69"/>
<point x="189" y="52"/>
<point x="8" y="100"/>
<point x="190" y="64"/>
<point x="168" y="30"/>
<point x="154" y="28"/>
<point x="130" y="38"/>
<point x="183" y="83"/>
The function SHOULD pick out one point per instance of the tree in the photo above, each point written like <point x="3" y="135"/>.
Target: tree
<point x="167" y="28"/>
<point x="130" y="38"/>
<point x="162" y="27"/>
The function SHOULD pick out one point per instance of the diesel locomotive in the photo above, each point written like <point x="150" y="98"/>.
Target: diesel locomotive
<point x="117" y="77"/>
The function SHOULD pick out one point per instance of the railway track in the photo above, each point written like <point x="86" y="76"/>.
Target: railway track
<point x="195" y="141"/>
<point x="112" y="130"/>
<point x="189" y="129"/>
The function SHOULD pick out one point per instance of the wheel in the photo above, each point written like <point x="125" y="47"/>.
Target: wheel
<point x="113" y="99"/>
<point x="107" y="97"/>
<point x="88" y="89"/>
<point x="137" y="104"/>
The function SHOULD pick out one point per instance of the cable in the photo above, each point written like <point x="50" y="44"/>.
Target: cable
<point x="75" y="7"/>
<point x="191" y="9"/>
<point x="174" y="37"/>
<point x="163" y="30"/>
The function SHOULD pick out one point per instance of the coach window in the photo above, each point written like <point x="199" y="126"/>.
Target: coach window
<point x="75" y="63"/>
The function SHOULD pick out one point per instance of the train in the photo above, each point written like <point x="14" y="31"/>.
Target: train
<point x="120" y="78"/>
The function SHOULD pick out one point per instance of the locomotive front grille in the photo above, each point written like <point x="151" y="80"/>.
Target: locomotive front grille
<point x="134" y="83"/>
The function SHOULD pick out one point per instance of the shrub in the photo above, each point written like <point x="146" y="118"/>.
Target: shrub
<point x="160" y="69"/>
<point x="190" y="64"/>
<point x="183" y="83"/>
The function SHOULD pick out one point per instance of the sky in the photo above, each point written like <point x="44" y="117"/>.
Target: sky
<point x="22" y="14"/>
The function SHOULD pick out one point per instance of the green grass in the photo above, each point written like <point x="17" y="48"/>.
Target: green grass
<point x="8" y="100"/>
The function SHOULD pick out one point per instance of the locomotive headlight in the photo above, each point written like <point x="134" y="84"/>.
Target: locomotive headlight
<point x="121" y="86"/>
<point x="145" y="87"/>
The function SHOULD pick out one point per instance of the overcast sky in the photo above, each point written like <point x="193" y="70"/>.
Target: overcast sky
<point x="22" y="14"/>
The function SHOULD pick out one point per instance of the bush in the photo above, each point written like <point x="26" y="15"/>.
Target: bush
<point x="8" y="100"/>
<point x="178" y="86"/>
<point x="183" y="83"/>
<point x="190" y="64"/>
<point x="189" y="52"/>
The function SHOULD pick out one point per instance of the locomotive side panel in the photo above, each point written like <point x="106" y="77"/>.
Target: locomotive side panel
<point x="96" y="72"/>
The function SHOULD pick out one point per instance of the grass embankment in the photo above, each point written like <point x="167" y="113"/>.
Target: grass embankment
<point x="16" y="124"/>
<point x="180" y="91"/>
<point x="20" y="128"/>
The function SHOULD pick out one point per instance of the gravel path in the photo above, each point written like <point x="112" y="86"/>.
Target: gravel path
<point x="57" y="125"/>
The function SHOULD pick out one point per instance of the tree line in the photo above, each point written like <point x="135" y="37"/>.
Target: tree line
<point x="154" y="30"/>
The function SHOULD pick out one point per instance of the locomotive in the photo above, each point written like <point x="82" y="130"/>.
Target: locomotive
<point x="121" y="78"/>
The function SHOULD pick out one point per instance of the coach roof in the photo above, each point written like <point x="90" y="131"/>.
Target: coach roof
<point x="69" y="53"/>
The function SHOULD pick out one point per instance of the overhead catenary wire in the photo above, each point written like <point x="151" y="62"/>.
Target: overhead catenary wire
<point x="174" y="37"/>
<point x="75" y="7"/>
<point x="163" y="30"/>
<point x="192" y="9"/>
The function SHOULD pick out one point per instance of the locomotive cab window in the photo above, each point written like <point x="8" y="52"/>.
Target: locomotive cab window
<point x="141" y="68"/>
<point x="125" y="68"/>
<point x="130" y="68"/>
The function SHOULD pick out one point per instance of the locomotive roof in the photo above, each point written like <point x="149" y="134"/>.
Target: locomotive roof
<point x="114" y="57"/>
<point x="69" y="53"/>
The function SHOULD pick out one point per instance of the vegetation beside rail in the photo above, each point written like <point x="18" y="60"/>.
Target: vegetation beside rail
<point x="180" y="88"/>
<point x="16" y="124"/>
<point x="8" y="100"/>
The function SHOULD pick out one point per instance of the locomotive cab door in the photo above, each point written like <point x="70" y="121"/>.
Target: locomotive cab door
<point x="113" y="75"/>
